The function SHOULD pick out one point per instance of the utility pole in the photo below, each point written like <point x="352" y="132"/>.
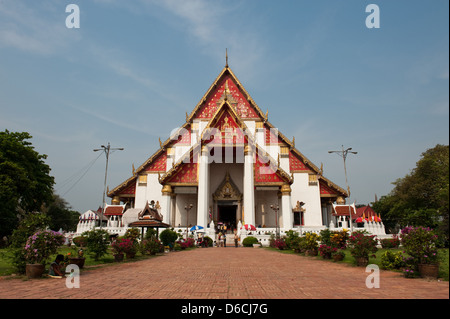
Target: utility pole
<point x="107" y="150"/>
<point x="187" y="208"/>
<point x="275" y="209"/>
<point x="343" y="154"/>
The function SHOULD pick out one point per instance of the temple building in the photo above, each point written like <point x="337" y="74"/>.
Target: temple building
<point x="228" y="164"/>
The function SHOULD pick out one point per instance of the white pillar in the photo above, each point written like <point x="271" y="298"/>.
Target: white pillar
<point x="166" y="204"/>
<point x="249" y="188"/>
<point x="286" y="207"/>
<point x="203" y="188"/>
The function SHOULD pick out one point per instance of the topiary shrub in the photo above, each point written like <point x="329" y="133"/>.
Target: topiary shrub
<point x="249" y="241"/>
<point x="168" y="237"/>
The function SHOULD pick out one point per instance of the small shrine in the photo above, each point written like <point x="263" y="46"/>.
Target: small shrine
<point x="149" y="217"/>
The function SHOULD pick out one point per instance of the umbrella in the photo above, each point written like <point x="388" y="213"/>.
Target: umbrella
<point x="249" y="227"/>
<point x="196" y="227"/>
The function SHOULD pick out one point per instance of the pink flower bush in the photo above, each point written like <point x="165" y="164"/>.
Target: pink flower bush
<point x="123" y="245"/>
<point x="41" y="245"/>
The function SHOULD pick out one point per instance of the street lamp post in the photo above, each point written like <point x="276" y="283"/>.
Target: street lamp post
<point x="107" y="150"/>
<point x="276" y="208"/>
<point x="344" y="154"/>
<point x="188" y="208"/>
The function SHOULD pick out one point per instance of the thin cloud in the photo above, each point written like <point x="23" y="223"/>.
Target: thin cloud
<point x="27" y="29"/>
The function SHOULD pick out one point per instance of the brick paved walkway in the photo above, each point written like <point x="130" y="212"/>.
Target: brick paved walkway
<point x="227" y="273"/>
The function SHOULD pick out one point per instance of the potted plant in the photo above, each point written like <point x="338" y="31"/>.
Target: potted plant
<point x="421" y="244"/>
<point x="38" y="248"/>
<point x="338" y="255"/>
<point x="77" y="258"/>
<point x="339" y="238"/>
<point x="361" y="246"/>
<point x="310" y="244"/>
<point x="117" y="249"/>
<point x="151" y="246"/>
<point x="326" y="251"/>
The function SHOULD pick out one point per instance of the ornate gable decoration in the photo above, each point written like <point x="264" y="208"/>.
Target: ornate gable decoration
<point x="296" y="165"/>
<point x="187" y="174"/>
<point x="326" y="191"/>
<point x="226" y="88"/>
<point x="150" y="212"/>
<point x="227" y="190"/>
<point x="157" y="165"/>
<point x="229" y="127"/>
<point x="267" y="172"/>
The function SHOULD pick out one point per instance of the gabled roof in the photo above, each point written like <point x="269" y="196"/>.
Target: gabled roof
<point x="344" y="210"/>
<point x="111" y="210"/>
<point x="226" y="90"/>
<point x="365" y="211"/>
<point x="190" y="157"/>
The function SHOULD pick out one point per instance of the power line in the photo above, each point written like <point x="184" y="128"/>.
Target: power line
<point x="85" y="169"/>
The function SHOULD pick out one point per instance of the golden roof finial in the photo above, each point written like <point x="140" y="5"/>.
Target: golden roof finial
<point x="226" y="57"/>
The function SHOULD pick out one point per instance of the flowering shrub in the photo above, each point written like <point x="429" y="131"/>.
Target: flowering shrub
<point x="280" y="243"/>
<point x="409" y="272"/>
<point x="362" y="245"/>
<point x="420" y="243"/>
<point x="310" y="241"/>
<point x="188" y="243"/>
<point x="123" y="245"/>
<point x="393" y="242"/>
<point x="326" y="251"/>
<point x="339" y="239"/>
<point x="151" y="246"/>
<point x="40" y="246"/>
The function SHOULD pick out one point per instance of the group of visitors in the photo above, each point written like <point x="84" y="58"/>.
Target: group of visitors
<point x="222" y="239"/>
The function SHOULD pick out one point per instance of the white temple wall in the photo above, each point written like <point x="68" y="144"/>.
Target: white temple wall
<point x="310" y="195"/>
<point x="264" y="214"/>
<point x="141" y="194"/>
<point x="181" y="201"/>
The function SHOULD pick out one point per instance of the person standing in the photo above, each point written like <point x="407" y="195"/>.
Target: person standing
<point x="236" y="239"/>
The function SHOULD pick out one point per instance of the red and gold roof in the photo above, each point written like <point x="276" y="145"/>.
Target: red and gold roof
<point x="226" y="104"/>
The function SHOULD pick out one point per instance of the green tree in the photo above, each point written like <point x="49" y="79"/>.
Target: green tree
<point x="25" y="181"/>
<point x="61" y="216"/>
<point x="421" y="197"/>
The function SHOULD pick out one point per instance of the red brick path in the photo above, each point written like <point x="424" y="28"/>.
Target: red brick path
<point x="227" y="273"/>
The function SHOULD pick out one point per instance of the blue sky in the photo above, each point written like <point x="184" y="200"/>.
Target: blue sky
<point x="134" y="68"/>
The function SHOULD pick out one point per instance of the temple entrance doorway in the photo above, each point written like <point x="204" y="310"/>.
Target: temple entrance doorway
<point x="227" y="216"/>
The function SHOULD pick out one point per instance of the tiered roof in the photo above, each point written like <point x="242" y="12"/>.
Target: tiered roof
<point x="226" y="102"/>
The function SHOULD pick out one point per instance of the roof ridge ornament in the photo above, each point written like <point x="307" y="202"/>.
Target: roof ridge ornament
<point x="226" y="57"/>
